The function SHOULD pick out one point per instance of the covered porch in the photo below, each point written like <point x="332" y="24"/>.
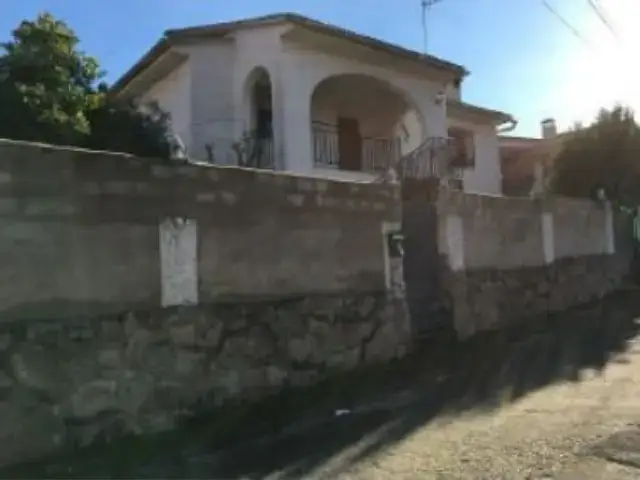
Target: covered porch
<point x="351" y="126"/>
<point x="360" y="126"/>
<point x="336" y="117"/>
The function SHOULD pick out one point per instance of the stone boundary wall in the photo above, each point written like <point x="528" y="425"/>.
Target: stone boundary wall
<point x="72" y="382"/>
<point x="511" y="258"/>
<point x="86" y="232"/>
<point x="134" y="293"/>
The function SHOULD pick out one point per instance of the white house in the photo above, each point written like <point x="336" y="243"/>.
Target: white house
<point x="311" y="98"/>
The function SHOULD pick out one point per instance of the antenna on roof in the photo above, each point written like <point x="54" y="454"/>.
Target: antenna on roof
<point x="426" y="6"/>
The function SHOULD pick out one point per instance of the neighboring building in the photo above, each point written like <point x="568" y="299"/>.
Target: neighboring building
<point x="313" y="99"/>
<point x="526" y="162"/>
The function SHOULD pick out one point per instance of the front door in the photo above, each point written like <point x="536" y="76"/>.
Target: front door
<point x="349" y="144"/>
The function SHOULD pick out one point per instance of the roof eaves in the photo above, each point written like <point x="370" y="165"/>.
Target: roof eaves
<point x="309" y="23"/>
<point x="223" y="29"/>
<point x="160" y="47"/>
<point x="495" y="114"/>
<point x="376" y="44"/>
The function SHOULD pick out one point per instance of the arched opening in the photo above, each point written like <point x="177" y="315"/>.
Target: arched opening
<point x="360" y="123"/>
<point x="255" y="149"/>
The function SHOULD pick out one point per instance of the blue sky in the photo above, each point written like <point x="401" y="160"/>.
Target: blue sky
<point x="522" y="59"/>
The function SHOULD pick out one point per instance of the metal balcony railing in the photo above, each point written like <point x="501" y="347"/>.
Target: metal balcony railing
<point x="377" y="154"/>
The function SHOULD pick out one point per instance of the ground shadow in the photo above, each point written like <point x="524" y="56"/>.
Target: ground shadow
<point x="444" y="377"/>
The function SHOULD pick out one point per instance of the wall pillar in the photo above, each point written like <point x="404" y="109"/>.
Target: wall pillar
<point x="454" y="234"/>
<point x="548" y="243"/>
<point x="609" y="232"/>
<point x="178" y="261"/>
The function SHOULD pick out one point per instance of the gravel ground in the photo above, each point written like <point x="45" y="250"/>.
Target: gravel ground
<point x="582" y="430"/>
<point x="567" y="431"/>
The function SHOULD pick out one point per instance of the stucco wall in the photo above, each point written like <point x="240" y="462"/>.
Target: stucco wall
<point x="173" y="95"/>
<point x="497" y="232"/>
<point x="214" y="116"/>
<point x="307" y="68"/>
<point x="294" y="73"/>
<point x="577" y="227"/>
<point x="502" y="232"/>
<point x="219" y="110"/>
<point x="377" y="109"/>
<point x="486" y="175"/>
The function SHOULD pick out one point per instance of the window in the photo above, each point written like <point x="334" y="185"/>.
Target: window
<point x="264" y="120"/>
<point x="463" y="148"/>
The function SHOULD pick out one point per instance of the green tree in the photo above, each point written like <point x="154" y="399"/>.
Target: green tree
<point x="49" y="92"/>
<point x="125" y="128"/>
<point x="603" y="156"/>
<point x="43" y="67"/>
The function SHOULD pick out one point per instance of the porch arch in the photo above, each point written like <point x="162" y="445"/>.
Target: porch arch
<point x="356" y="112"/>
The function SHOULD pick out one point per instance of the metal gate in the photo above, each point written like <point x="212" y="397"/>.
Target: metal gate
<point x="421" y="174"/>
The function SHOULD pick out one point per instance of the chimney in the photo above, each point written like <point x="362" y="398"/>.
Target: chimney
<point x="549" y="128"/>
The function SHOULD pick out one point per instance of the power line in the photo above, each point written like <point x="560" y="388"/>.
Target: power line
<point x="566" y="23"/>
<point x="599" y="11"/>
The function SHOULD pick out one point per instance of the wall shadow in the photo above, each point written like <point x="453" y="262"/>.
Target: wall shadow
<point x="443" y="378"/>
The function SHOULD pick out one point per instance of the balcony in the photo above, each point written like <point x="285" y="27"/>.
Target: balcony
<point x="365" y="154"/>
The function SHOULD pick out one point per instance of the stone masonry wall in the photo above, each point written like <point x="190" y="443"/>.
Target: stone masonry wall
<point x="135" y="292"/>
<point x="487" y="299"/>
<point x="510" y="259"/>
<point x="68" y="383"/>
<point x="80" y="232"/>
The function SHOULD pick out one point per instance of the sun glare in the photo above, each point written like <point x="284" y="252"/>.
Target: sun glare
<point x="606" y="71"/>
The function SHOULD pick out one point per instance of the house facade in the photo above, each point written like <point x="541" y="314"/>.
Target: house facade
<point x="290" y="93"/>
<point x="528" y="161"/>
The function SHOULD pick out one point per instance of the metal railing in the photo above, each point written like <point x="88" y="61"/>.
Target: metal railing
<point x="251" y="151"/>
<point x="430" y="159"/>
<point x="377" y="155"/>
<point x="326" y="151"/>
